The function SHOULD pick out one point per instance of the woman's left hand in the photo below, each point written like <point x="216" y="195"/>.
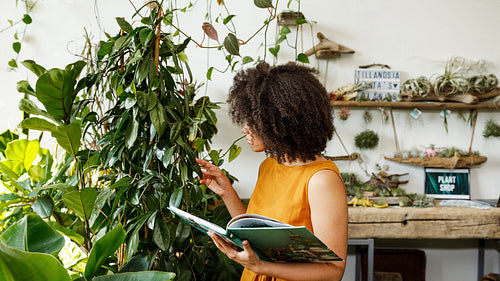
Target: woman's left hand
<point x="247" y="258"/>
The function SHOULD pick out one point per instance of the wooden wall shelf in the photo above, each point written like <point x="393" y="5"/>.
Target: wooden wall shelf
<point x="419" y="105"/>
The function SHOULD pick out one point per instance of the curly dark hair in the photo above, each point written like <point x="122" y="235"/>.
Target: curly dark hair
<point x="286" y="106"/>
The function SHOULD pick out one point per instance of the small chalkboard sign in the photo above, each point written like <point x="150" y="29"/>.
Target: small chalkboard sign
<point x="385" y="84"/>
<point x="447" y="184"/>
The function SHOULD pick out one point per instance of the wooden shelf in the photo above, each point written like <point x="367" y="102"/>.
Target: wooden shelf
<point x="419" y="105"/>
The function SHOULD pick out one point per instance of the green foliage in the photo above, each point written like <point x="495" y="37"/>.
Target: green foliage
<point x="492" y="129"/>
<point x="367" y="139"/>
<point x="131" y="129"/>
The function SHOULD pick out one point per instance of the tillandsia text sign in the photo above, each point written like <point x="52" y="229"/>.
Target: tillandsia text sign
<point x="385" y="84"/>
<point x="447" y="184"/>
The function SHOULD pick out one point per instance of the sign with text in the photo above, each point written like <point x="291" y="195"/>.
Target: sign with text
<point x="447" y="184"/>
<point x="385" y="84"/>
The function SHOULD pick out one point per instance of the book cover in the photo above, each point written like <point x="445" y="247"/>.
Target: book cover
<point x="272" y="240"/>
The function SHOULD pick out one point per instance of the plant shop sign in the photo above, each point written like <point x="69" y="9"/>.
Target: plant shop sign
<point x="447" y="184"/>
<point x="384" y="84"/>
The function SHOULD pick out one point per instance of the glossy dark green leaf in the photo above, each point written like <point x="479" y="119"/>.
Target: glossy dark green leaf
<point x="161" y="234"/>
<point x="81" y="202"/>
<point x="27" y="19"/>
<point x="302" y="58"/>
<point x="159" y="119"/>
<point x="138" y="276"/>
<point x="132" y="131"/>
<point x="232" y="45"/>
<point x="20" y="265"/>
<point x="55" y="89"/>
<point x="102" y="249"/>
<point x="146" y="101"/>
<point x="263" y="3"/>
<point x="145" y="36"/>
<point x="68" y="136"/>
<point x="124" y="25"/>
<point x="32" y="234"/>
<point x="176" y="197"/>
<point x="43" y="206"/>
<point x="34" y="67"/>
<point x="175" y="131"/>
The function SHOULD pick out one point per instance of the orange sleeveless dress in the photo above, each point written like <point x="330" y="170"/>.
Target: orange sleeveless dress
<point x="281" y="193"/>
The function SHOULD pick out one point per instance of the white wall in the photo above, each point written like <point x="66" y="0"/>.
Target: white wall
<point x="416" y="38"/>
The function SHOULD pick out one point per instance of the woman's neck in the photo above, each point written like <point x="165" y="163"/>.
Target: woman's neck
<point x="299" y="162"/>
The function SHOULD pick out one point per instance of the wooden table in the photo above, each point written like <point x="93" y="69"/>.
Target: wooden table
<point x="426" y="223"/>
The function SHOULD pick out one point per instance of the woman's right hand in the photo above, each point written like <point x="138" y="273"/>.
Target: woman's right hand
<point x="214" y="178"/>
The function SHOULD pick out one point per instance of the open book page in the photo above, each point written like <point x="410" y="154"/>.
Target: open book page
<point x="254" y="220"/>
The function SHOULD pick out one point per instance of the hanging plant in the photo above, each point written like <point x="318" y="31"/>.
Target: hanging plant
<point x="492" y="129"/>
<point x="344" y="113"/>
<point x="366" y="140"/>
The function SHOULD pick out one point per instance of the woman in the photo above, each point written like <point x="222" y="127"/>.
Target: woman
<point x="285" y="113"/>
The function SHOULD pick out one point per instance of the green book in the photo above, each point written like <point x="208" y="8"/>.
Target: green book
<point x="272" y="240"/>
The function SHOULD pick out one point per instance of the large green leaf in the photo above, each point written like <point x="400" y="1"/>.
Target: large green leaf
<point x="23" y="150"/>
<point x="12" y="168"/>
<point x="102" y="249"/>
<point x="55" y="89"/>
<point x="43" y="206"/>
<point x="81" y="202"/>
<point x="34" y="67"/>
<point x="35" y="123"/>
<point x="30" y="107"/>
<point x="32" y="234"/>
<point x="16" y="265"/>
<point x="138" y="276"/>
<point x="68" y="136"/>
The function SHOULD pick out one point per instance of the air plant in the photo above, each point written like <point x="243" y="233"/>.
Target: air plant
<point x="483" y="83"/>
<point x="420" y="86"/>
<point x="492" y="129"/>
<point x="344" y="113"/>
<point x="452" y="81"/>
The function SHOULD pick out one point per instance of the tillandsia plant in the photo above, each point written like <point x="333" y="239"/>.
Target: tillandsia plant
<point x="131" y="125"/>
<point x="451" y="82"/>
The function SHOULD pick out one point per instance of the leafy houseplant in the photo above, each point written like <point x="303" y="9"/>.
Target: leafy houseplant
<point x="123" y="164"/>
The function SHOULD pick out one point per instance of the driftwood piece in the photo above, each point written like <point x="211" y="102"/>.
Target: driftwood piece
<point x="327" y="44"/>
<point x="350" y="157"/>
<point x="443" y="162"/>
<point x="468" y="98"/>
<point x="424" y="223"/>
